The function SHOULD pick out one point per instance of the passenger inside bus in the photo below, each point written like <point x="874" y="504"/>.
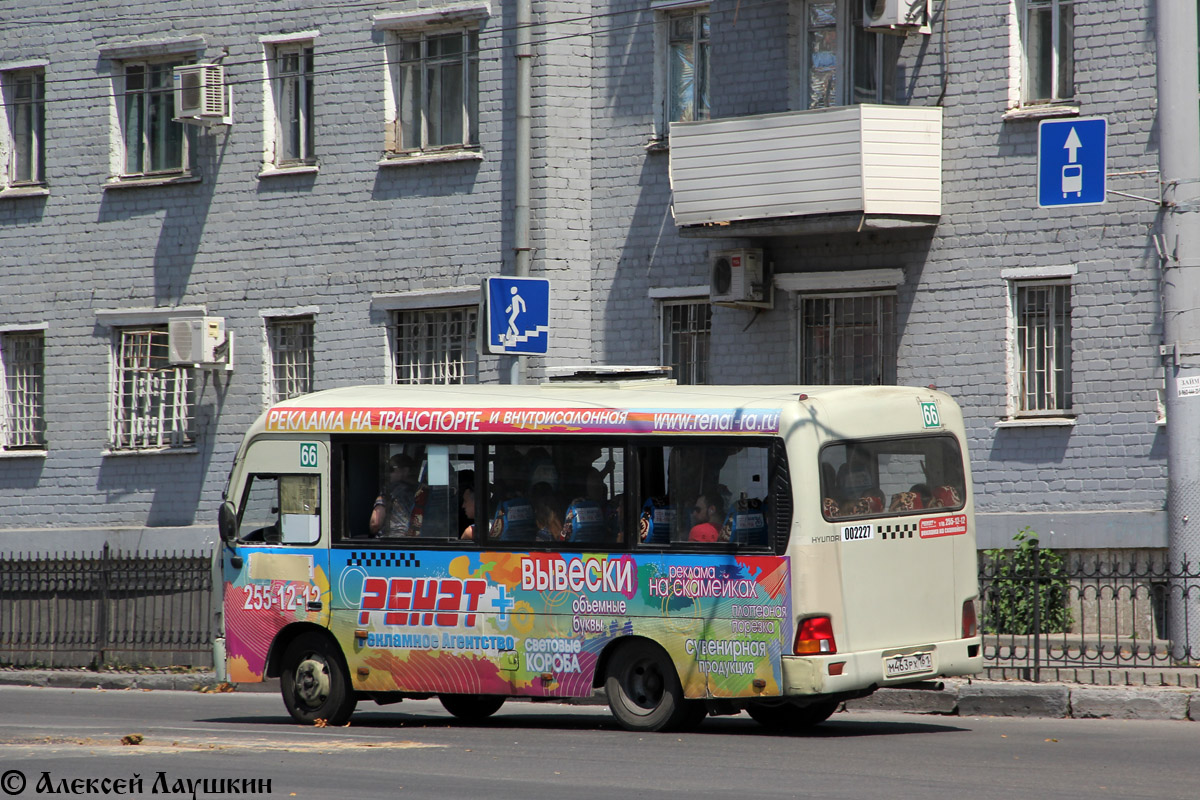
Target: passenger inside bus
<point x="708" y="513"/>
<point x="399" y="506"/>
<point x="466" y="503"/>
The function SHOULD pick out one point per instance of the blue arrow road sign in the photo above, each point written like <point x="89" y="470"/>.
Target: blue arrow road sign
<point x="1072" y="161"/>
<point x="518" y="316"/>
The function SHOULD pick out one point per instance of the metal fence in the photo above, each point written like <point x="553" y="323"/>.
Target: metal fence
<point x="1040" y="613"/>
<point x="1043" y="613"/>
<point x="106" y="608"/>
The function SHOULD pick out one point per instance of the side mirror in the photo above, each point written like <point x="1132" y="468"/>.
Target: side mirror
<point x="227" y="522"/>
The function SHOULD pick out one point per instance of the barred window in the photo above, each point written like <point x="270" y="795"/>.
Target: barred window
<point x="291" y="352"/>
<point x="848" y="339"/>
<point x="686" y="330"/>
<point x="435" y="345"/>
<point x="152" y="401"/>
<point x="22" y="420"/>
<point x="1041" y="381"/>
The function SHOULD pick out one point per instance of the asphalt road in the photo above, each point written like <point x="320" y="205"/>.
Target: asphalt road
<point x="62" y="737"/>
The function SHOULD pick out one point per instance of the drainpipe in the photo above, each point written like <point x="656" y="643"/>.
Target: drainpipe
<point x="521" y="161"/>
<point x="1179" y="165"/>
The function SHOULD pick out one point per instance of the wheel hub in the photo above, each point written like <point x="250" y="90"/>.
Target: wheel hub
<point x="312" y="682"/>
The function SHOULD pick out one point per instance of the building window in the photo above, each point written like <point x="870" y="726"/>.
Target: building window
<point x="1048" y="36"/>
<point x="290" y="342"/>
<point x="25" y="121"/>
<point x="687" y="65"/>
<point x="848" y="339"/>
<point x="292" y="93"/>
<point x="686" y="331"/>
<point x="22" y="420"/>
<point x="1040" y="383"/>
<point x="154" y="143"/>
<point x="435" y="345"/>
<point x="845" y="63"/>
<point x="152" y="399"/>
<point x="435" y="79"/>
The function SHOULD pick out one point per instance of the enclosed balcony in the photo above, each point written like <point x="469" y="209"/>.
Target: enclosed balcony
<point x="826" y="170"/>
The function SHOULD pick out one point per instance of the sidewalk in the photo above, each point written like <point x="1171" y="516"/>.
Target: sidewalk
<point x="1108" y="696"/>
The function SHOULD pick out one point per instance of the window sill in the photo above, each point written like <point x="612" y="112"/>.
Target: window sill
<point x="190" y="450"/>
<point x="1036" y="422"/>
<point x="1033" y="112"/>
<point x="435" y="157"/>
<point x="300" y="169"/>
<point x="24" y="453"/>
<point x="24" y="191"/>
<point x="136" y="183"/>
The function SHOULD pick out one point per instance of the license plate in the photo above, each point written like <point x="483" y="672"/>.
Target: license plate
<point x="908" y="665"/>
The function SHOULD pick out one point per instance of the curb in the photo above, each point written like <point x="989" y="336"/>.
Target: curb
<point x="1052" y="700"/>
<point x="144" y="681"/>
<point x="955" y="698"/>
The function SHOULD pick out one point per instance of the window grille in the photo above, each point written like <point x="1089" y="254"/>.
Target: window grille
<point x="435" y="346"/>
<point x="152" y="400"/>
<point x="291" y="345"/>
<point x="1043" y="348"/>
<point x="848" y="339"/>
<point x="24" y="385"/>
<point x="687" y="329"/>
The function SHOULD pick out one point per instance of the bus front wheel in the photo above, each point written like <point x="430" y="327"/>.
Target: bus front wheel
<point x="471" y="707"/>
<point x="791" y="717"/>
<point x="314" y="683"/>
<point x="643" y="689"/>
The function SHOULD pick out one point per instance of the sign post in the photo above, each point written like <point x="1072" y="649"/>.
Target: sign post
<point x="518" y="316"/>
<point x="1072" y="162"/>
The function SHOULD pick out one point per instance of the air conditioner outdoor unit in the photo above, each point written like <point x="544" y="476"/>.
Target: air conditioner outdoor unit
<point x="200" y="94"/>
<point x="197" y="340"/>
<point x="738" y="278"/>
<point x="895" y="16"/>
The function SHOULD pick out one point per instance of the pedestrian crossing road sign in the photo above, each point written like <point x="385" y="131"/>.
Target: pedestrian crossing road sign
<point x="518" y="316"/>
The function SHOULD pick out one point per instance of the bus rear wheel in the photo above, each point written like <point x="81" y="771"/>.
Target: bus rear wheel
<point x="643" y="689"/>
<point x="471" y="707"/>
<point x="791" y="717"/>
<point x="314" y="682"/>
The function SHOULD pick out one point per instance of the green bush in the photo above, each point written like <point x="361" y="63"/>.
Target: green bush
<point x="1010" y="597"/>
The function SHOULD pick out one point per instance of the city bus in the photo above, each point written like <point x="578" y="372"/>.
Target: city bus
<point x="683" y="550"/>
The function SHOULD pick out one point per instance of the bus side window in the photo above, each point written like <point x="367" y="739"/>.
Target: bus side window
<point x="282" y="509"/>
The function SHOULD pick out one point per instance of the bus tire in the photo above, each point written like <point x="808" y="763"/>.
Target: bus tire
<point x="787" y="716"/>
<point x="472" y="707"/>
<point x="314" y="682"/>
<point x="643" y="689"/>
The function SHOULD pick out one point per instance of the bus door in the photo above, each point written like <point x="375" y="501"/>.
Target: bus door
<point x="277" y="573"/>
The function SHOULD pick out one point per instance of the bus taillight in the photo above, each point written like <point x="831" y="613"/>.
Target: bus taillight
<point x="815" y="637"/>
<point x="970" y="623"/>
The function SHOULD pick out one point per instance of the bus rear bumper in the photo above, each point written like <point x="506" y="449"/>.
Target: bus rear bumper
<point x="809" y="675"/>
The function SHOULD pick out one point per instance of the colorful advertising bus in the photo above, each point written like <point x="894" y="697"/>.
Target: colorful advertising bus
<point x="689" y="550"/>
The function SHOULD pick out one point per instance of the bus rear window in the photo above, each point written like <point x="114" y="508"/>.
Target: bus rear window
<point x="881" y="477"/>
